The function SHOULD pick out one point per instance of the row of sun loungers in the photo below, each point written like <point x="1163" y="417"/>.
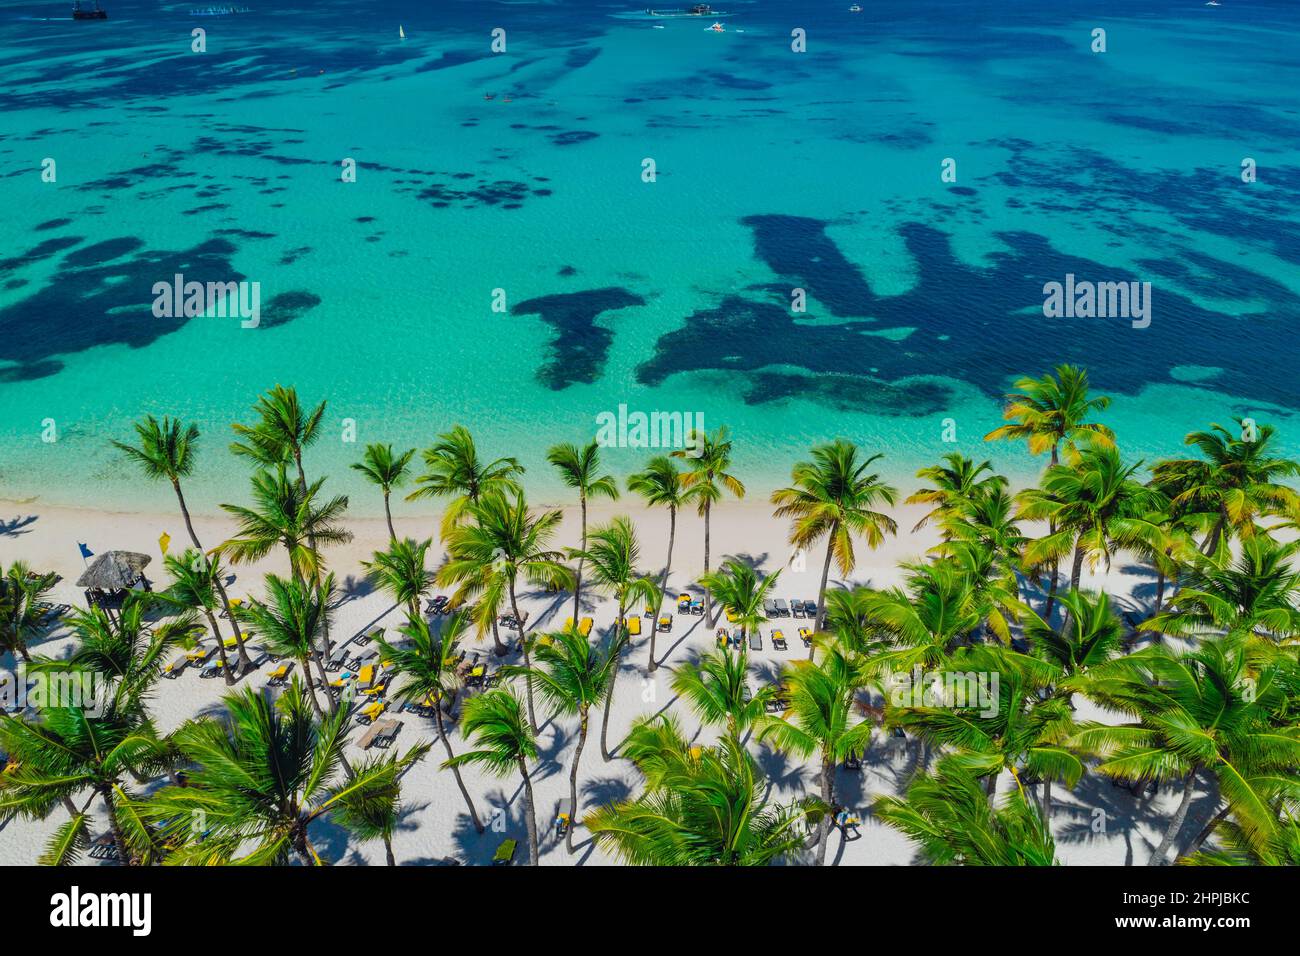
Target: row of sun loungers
<point x="777" y="607"/>
<point x="735" y="638"/>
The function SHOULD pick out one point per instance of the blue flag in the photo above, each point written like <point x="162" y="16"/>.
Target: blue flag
<point x="85" y="551"/>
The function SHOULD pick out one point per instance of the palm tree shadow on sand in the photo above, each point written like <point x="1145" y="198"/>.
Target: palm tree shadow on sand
<point x="13" y="527"/>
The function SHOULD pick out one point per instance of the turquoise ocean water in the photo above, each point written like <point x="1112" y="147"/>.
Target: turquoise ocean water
<point x="818" y="170"/>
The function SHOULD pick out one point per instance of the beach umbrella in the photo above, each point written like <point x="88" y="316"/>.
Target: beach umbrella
<point x="114" y="571"/>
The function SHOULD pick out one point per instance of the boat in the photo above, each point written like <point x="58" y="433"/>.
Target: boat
<point x="718" y="27"/>
<point x="79" y="12"/>
<point x="401" y="31"/>
<point x="855" y="9"/>
<point x="696" y="10"/>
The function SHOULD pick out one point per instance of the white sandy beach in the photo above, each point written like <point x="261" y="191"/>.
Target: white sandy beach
<point x="436" y="825"/>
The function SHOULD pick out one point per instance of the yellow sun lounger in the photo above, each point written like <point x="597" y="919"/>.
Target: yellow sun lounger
<point x="200" y="653"/>
<point x="371" y="711"/>
<point x="805" y="635"/>
<point x="280" y="674"/>
<point x="666" y="622"/>
<point x="633" y="626"/>
<point x="585" y="626"/>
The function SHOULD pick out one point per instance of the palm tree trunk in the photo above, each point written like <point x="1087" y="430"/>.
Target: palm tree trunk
<point x="221" y="588"/>
<point x="446" y="745"/>
<point x="1051" y="529"/>
<point x="708" y="601"/>
<point x="118" y="839"/>
<point x="828" y="797"/>
<point x="1076" y="572"/>
<point x="1211" y="543"/>
<point x="530" y="815"/>
<point x="1176" y="824"/>
<point x="613" y="682"/>
<point x="498" y="648"/>
<point x="528" y="661"/>
<point x="577" y="584"/>
<point x="1047" y="802"/>
<point x="573" y="782"/>
<point x="388" y="851"/>
<point x="1205" y="832"/>
<point x="311" y="687"/>
<point x="323" y="679"/>
<point x="821" y="593"/>
<point x="221" y="648"/>
<point x="388" y="514"/>
<point x="663" y="587"/>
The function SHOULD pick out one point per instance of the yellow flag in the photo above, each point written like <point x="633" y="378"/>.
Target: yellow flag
<point x="164" y="540"/>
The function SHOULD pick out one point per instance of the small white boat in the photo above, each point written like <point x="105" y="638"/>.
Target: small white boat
<point x="855" y="9"/>
<point x="718" y="28"/>
<point x="401" y="31"/>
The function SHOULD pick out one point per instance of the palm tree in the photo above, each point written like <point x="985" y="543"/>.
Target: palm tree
<point x="951" y="819"/>
<point x="1052" y="411"/>
<point x="614" y="555"/>
<point x="1211" y="711"/>
<point x="290" y="620"/>
<point x="955" y="486"/>
<point x="1024" y="734"/>
<point x="123" y="649"/>
<point x="1094" y="509"/>
<point x="287" y="513"/>
<point x="661" y="485"/>
<point x="716" y="688"/>
<point x="709" y="457"/>
<point x="495" y="720"/>
<point x="372" y="812"/>
<point x="739" y="591"/>
<point x="281" y="432"/>
<point x="284" y="514"/>
<point x="1237" y="481"/>
<point x="819" y="720"/>
<point x="1283" y="849"/>
<point x="168" y="450"/>
<point x="927" y="619"/>
<point x="1049" y="412"/>
<point x="195" y="577"/>
<point x="702" y="806"/>
<point x="833" y="496"/>
<point x="849" y="622"/>
<point x="381" y="467"/>
<point x="1092" y="634"/>
<point x="69" y="750"/>
<point x="400" y="572"/>
<point x="1256" y="597"/>
<point x="261" y="777"/>
<point x="572" y="676"/>
<point x="454" y="470"/>
<point x="986" y="522"/>
<point x="22" y="606"/>
<point x="427" y="668"/>
<point x="486" y="558"/>
<point x="578" y="468"/>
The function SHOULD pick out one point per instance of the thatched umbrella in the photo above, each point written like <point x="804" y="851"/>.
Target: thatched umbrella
<point x="114" y="571"/>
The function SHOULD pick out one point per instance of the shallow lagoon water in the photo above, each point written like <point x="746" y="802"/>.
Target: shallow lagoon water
<point x="775" y="170"/>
